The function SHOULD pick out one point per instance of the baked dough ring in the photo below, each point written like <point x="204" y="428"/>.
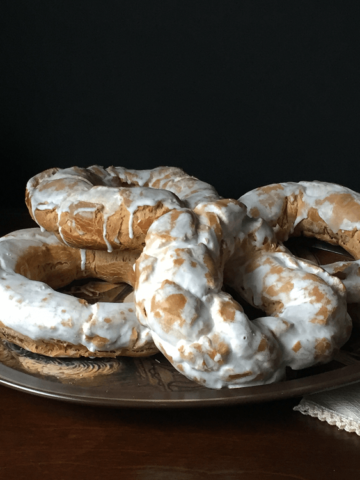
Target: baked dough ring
<point x="326" y="211"/>
<point x="202" y="330"/>
<point x="109" y="209"/>
<point x="44" y="321"/>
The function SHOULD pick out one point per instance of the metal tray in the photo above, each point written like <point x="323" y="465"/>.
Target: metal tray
<point x="153" y="383"/>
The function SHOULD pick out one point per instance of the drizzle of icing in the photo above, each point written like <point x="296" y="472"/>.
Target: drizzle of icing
<point x="83" y="258"/>
<point x="62" y="189"/>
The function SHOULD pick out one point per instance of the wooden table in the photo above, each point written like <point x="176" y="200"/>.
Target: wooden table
<point x="43" y="439"/>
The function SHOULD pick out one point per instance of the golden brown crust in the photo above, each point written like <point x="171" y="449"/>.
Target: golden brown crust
<point x="37" y="263"/>
<point x="91" y="227"/>
<point x="57" y="348"/>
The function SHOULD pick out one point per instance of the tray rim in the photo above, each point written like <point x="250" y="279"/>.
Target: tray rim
<point x="28" y="383"/>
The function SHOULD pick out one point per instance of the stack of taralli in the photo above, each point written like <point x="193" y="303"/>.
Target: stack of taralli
<point x="176" y="242"/>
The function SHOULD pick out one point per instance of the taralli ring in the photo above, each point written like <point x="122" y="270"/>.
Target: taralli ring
<point x="178" y="243"/>
<point x="109" y="209"/>
<point x="42" y="320"/>
<point x="326" y="211"/>
<point x="202" y="330"/>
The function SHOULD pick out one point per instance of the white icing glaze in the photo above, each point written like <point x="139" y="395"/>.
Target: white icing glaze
<point x="61" y="235"/>
<point x="313" y="309"/>
<point x="202" y="330"/>
<point x="63" y="189"/>
<point x="336" y="205"/>
<point x="83" y="258"/>
<point x="321" y="196"/>
<point x="189" y="189"/>
<point x="34" y="309"/>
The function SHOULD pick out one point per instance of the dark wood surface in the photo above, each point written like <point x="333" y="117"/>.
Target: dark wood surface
<point x="42" y="438"/>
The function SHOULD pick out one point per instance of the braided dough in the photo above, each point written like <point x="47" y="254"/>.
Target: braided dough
<point x="326" y="211"/>
<point x="202" y="330"/>
<point x="109" y="209"/>
<point x="44" y="321"/>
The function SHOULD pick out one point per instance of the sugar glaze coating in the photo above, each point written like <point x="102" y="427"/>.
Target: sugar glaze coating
<point x="202" y="330"/>
<point x="109" y="208"/>
<point x="51" y="323"/>
<point x="327" y="211"/>
<point x="193" y="241"/>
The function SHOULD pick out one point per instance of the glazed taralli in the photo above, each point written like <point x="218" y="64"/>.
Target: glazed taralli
<point x="177" y="242"/>
<point x="35" y="316"/>
<point x="109" y="209"/>
<point x="327" y="211"/>
<point x="202" y="330"/>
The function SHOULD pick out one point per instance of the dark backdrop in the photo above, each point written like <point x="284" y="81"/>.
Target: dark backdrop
<point x="240" y="94"/>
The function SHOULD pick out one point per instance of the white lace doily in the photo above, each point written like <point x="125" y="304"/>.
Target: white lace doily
<point x="340" y="407"/>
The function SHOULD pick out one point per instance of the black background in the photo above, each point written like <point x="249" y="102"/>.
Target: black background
<point x="240" y="94"/>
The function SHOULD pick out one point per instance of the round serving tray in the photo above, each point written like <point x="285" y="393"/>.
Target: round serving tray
<point x="153" y="382"/>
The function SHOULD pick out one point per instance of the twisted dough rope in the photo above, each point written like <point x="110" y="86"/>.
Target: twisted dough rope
<point x="202" y="330"/>
<point x="44" y="321"/>
<point x="109" y="209"/>
<point x="322" y="210"/>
